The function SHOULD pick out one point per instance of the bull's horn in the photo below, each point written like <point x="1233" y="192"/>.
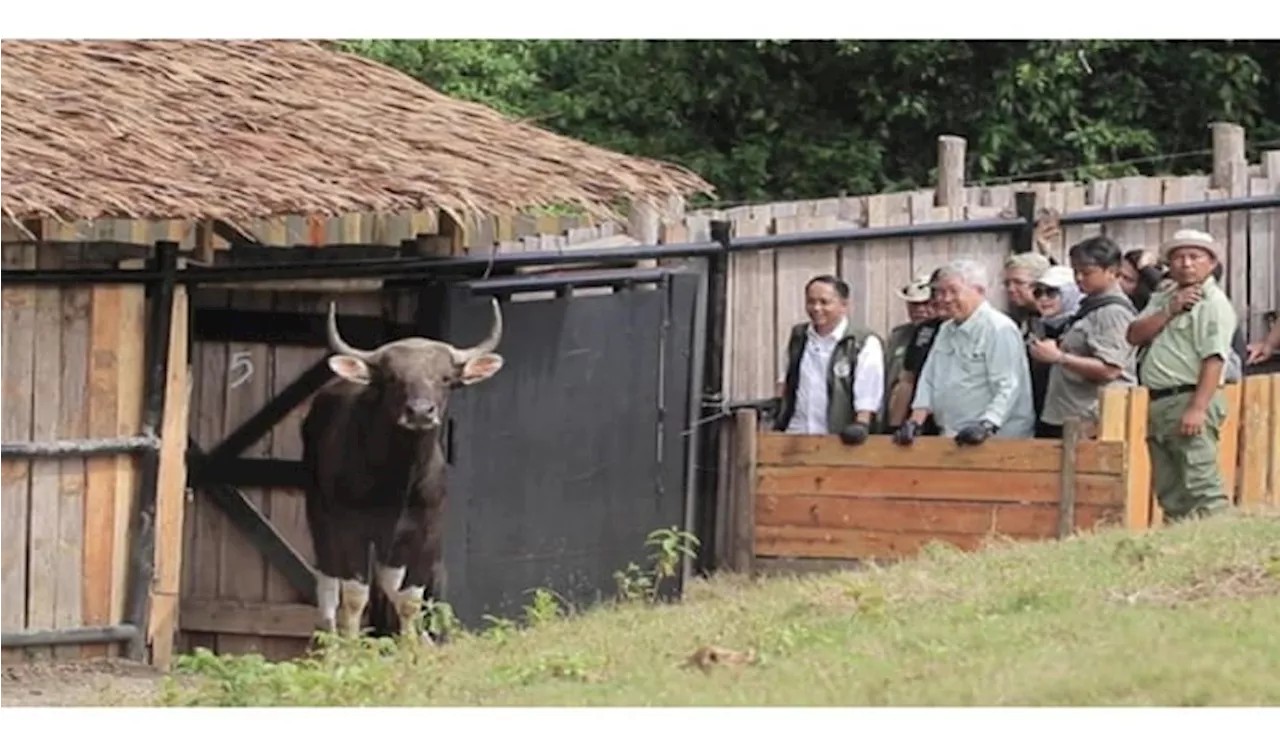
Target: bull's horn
<point x="489" y="343"/>
<point x="335" y="339"/>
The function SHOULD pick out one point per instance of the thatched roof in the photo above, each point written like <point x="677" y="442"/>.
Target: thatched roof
<point x="241" y="130"/>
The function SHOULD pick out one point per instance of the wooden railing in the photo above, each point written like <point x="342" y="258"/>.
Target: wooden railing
<point x="812" y="497"/>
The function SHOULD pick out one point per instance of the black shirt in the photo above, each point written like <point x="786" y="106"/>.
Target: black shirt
<point x="919" y="345"/>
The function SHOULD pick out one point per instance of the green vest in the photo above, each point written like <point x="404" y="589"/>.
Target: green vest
<point x="840" y="412"/>
<point x="895" y="359"/>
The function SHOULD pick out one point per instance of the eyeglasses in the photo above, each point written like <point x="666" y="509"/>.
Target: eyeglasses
<point x="1042" y="291"/>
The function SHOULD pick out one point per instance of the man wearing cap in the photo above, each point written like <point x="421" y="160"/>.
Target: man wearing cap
<point x="1021" y="272"/>
<point x="1187" y="330"/>
<point x="897" y="400"/>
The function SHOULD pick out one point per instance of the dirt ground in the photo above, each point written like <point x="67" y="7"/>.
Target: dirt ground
<point x="78" y="683"/>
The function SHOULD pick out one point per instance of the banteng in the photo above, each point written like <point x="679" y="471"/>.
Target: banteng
<point x="376" y="474"/>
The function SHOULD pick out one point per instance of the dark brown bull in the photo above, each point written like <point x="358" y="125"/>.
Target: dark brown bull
<point x="376" y="474"/>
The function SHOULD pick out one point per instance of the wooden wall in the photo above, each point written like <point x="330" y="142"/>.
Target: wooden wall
<point x="73" y="369"/>
<point x="818" y="498"/>
<point x="810" y="499"/>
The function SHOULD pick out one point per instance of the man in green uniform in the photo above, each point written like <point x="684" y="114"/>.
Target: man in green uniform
<point x="1188" y="331"/>
<point x="918" y="295"/>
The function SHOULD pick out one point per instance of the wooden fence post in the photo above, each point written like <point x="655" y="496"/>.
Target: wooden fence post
<point x="1257" y="411"/>
<point x="951" y="154"/>
<point x="1067" y="488"/>
<point x="1123" y="418"/>
<point x="1231" y="174"/>
<point x="742" y="498"/>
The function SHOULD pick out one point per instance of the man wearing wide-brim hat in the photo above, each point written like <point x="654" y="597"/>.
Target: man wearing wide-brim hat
<point x="1188" y="331"/>
<point x="918" y="294"/>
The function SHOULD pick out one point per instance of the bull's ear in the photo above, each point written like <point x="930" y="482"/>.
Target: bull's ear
<point x="480" y="368"/>
<point x="350" y="368"/>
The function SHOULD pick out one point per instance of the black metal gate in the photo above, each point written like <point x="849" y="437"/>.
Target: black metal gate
<point x="562" y="463"/>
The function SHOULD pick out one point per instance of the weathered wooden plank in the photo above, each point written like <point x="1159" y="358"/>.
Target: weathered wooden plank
<point x="42" y="519"/>
<point x="172" y="483"/>
<point x="1255" y="436"/>
<point x="749" y="365"/>
<point x="131" y="374"/>
<point x="1229" y="439"/>
<point x="792" y="269"/>
<point x="1264" y="264"/>
<point x="943" y="484"/>
<point x="18" y="331"/>
<point x="285" y="506"/>
<point x="248" y="383"/>
<point x="73" y="424"/>
<point x="205" y="524"/>
<point x="100" y="473"/>
<point x="879" y="451"/>
<point x="248" y="619"/>
<point x="824" y="543"/>
<point x="926" y="515"/>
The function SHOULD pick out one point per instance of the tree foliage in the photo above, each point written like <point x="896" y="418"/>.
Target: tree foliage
<point x="803" y="119"/>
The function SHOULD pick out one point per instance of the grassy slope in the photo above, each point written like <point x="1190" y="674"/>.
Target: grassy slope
<point x="1183" y="616"/>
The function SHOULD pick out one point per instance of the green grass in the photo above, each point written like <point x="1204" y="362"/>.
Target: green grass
<point x="1184" y="616"/>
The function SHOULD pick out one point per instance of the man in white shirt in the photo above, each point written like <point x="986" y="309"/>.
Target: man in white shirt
<point x="976" y="381"/>
<point x="835" y="372"/>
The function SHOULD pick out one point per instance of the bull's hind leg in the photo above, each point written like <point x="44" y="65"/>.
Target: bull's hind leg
<point x="407" y="601"/>
<point x="327" y="596"/>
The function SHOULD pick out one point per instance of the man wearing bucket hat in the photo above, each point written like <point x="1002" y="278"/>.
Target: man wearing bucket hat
<point x="1187" y="330"/>
<point x="918" y="295"/>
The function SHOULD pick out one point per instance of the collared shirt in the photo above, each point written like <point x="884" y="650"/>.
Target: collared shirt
<point x="976" y="370"/>
<point x="1204" y="330"/>
<point x="1100" y="335"/>
<point x="812" y="398"/>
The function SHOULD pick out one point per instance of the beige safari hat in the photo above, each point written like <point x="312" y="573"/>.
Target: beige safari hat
<point x="1189" y="238"/>
<point x="917" y="290"/>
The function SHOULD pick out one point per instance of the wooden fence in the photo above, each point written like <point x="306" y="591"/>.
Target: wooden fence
<point x="810" y="497"/>
<point x="765" y="287"/>
<point x="64" y="521"/>
<point x="73" y="370"/>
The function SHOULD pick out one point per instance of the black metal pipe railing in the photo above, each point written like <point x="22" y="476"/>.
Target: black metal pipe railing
<point x="535" y="283"/>
<point x="1182" y="209"/>
<point x="419" y="267"/>
<point x="87" y="447"/>
<point x="60" y="637"/>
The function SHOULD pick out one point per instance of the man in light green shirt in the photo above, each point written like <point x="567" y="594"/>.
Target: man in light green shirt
<point x="976" y="381"/>
<point x="1188" y="329"/>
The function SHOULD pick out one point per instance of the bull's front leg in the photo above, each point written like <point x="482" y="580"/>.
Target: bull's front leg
<point x="355" y="596"/>
<point x="408" y="601"/>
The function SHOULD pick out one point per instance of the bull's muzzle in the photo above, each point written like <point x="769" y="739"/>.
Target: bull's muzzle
<point x="420" y="414"/>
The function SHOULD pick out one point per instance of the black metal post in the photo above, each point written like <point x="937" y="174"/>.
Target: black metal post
<point x="1024" y="240"/>
<point x="712" y="397"/>
<point x="142" y="547"/>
